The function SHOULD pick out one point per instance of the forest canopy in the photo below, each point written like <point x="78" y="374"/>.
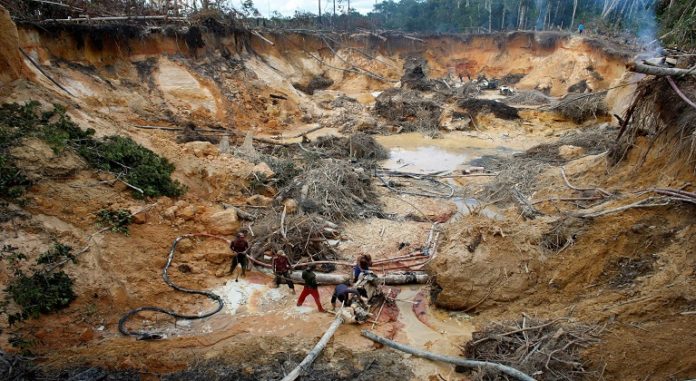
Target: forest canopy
<point x="671" y="21"/>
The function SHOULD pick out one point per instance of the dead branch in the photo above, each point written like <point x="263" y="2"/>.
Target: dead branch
<point x="303" y="367"/>
<point x="475" y="364"/>
<point x="567" y="183"/>
<point x="641" y="67"/>
<point x="117" y="18"/>
<point x="647" y="203"/>
<point x="680" y="93"/>
<point x="37" y="66"/>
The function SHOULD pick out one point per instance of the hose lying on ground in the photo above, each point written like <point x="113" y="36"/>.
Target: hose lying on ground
<point x="142" y="335"/>
<point x="448" y="359"/>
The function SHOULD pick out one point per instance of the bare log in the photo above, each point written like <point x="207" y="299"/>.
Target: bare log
<point x="640" y="67"/>
<point x="117" y="18"/>
<point x="389" y="278"/>
<point x="314" y="353"/>
<point x="448" y="359"/>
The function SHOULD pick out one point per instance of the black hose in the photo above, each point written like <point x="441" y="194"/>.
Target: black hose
<point x="142" y="335"/>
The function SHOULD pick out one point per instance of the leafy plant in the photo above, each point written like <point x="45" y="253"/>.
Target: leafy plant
<point x="118" y="220"/>
<point x="40" y="293"/>
<point x="137" y="165"/>
<point x="56" y="254"/>
<point x="140" y="167"/>
<point x="13" y="183"/>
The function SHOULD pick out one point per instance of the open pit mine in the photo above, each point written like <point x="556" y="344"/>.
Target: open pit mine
<point x="502" y="206"/>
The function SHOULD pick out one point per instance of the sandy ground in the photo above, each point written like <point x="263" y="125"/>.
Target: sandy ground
<point x="121" y="272"/>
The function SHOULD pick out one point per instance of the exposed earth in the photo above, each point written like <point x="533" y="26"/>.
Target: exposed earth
<point x="631" y="273"/>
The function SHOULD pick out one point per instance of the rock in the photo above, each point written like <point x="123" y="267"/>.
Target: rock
<point x="170" y="212"/>
<point x="184" y="246"/>
<point x="37" y="160"/>
<point x="202" y="149"/>
<point x="139" y="218"/>
<point x="259" y="200"/>
<point x="86" y="335"/>
<point x="224" y="222"/>
<point x="487" y="277"/>
<point x="569" y="152"/>
<point x="187" y="213"/>
<point x="263" y="168"/>
<point x="290" y="205"/>
<point x="217" y="258"/>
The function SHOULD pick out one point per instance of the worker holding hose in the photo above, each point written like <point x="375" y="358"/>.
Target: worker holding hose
<point x="239" y="246"/>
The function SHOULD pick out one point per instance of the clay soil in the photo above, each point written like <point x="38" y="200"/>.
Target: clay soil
<point x="633" y="272"/>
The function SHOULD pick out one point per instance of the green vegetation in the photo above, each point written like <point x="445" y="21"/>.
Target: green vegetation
<point x="41" y="290"/>
<point x="147" y="173"/>
<point x="56" y="254"/>
<point x="678" y="18"/>
<point x="117" y="220"/>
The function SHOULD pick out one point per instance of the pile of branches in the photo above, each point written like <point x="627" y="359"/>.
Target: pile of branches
<point x="548" y="350"/>
<point x="582" y="107"/>
<point x="357" y="146"/>
<point x="300" y="236"/>
<point x="528" y="98"/>
<point x="521" y="170"/>
<point x="334" y="189"/>
<point x="408" y="108"/>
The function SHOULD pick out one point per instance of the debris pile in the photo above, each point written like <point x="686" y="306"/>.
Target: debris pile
<point x="546" y="350"/>
<point x="357" y="146"/>
<point x="409" y="109"/>
<point x="582" y="107"/>
<point x="334" y="189"/>
<point x="300" y="236"/>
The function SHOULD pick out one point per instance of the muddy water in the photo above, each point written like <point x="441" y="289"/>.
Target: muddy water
<point x="414" y="152"/>
<point x="436" y="331"/>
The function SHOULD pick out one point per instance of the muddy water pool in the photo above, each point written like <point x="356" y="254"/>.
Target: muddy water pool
<point x="418" y="153"/>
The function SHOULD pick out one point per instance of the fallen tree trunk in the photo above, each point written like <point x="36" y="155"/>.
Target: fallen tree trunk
<point x="448" y="359"/>
<point x="390" y="278"/>
<point x="642" y="68"/>
<point x="314" y="353"/>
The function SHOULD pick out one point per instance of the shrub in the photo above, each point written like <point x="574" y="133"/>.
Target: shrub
<point x="43" y="291"/>
<point x="117" y="220"/>
<point x="56" y="254"/>
<point x="122" y="156"/>
<point x="139" y="166"/>
<point x="12" y="180"/>
<point x="40" y="293"/>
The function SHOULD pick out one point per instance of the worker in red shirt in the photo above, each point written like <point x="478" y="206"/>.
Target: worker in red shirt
<point x="281" y="269"/>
